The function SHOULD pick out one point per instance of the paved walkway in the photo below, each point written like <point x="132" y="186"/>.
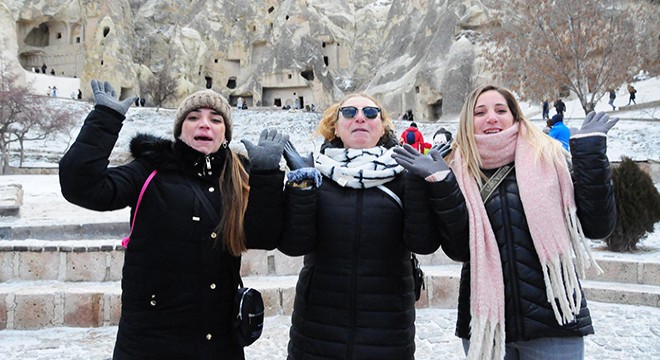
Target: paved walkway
<point x="622" y="332"/>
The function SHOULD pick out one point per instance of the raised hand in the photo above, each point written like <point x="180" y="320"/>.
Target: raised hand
<point x="418" y="164"/>
<point x="596" y="123"/>
<point x="293" y="159"/>
<point x="105" y="94"/>
<point x="267" y="153"/>
<point x="443" y="149"/>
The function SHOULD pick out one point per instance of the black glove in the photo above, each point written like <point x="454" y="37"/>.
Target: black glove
<point x="595" y="123"/>
<point x="417" y="163"/>
<point x="266" y="155"/>
<point x="105" y="94"/>
<point x="293" y="159"/>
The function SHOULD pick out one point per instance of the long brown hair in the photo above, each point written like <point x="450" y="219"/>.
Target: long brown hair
<point x="545" y="147"/>
<point x="234" y="184"/>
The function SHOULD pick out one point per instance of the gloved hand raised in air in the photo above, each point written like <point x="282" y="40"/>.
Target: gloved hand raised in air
<point x="418" y="164"/>
<point x="443" y="149"/>
<point x="105" y="94"/>
<point x="267" y="153"/>
<point x="595" y="123"/>
<point x="293" y="159"/>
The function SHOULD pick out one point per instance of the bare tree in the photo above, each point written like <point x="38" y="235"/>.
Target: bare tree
<point x="25" y="117"/>
<point x="161" y="87"/>
<point x="585" y="46"/>
<point x="37" y="123"/>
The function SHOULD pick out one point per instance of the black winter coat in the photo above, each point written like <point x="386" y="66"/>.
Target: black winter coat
<point x="528" y="314"/>
<point x="177" y="285"/>
<point x="354" y="297"/>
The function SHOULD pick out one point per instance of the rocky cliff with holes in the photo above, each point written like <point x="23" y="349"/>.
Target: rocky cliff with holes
<point x="416" y="54"/>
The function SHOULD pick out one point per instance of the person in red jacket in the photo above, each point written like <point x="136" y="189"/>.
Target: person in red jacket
<point x="413" y="137"/>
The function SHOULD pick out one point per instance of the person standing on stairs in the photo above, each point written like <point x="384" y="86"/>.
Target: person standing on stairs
<point x="527" y="229"/>
<point x="205" y="206"/>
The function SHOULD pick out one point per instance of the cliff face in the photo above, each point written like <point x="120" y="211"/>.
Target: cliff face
<point x="409" y="54"/>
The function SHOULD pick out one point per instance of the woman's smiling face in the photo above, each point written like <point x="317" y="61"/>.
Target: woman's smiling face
<point x="491" y="113"/>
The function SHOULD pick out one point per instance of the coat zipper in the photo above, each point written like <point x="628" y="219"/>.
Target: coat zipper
<point x="354" y="271"/>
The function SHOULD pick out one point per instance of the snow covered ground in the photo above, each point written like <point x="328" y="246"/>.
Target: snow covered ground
<point x="622" y="331"/>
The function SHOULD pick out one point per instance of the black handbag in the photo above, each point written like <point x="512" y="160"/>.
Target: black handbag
<point x="247" y="313"/>
<point x="418" y="276"/>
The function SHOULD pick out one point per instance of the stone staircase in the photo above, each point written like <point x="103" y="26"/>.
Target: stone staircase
<point x="71" y="278"/>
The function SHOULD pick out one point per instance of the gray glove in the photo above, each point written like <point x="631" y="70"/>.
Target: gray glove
<point x="105" y="94"/>
<point x="596" y="123"/>
<point x="293" y="159"/>
<point x="266" y="155"/>
<point x="418" y="164"/>
<point x="443" y="149"/>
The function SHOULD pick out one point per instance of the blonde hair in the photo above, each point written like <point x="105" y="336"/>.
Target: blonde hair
<point x="328" y="125"/>
<point x="545" y="147"/>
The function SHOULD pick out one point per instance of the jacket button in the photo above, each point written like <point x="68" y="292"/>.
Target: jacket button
<point x="214" y="235"/>
<point x="153" y="300"/>
<point x="211" y="189"/>
<point x="209" y="336"/>
<point x="212" y="286"/>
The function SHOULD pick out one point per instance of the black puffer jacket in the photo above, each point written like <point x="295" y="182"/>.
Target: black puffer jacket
<point x="177" y="286"/>
<point x="354" y="297"/>
<point x="528" y="313"/>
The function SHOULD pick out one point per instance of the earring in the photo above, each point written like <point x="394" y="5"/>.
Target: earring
<point x="225" y="144"/>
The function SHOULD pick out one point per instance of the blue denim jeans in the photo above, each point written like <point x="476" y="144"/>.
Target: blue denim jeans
<point x="552" y="348"/>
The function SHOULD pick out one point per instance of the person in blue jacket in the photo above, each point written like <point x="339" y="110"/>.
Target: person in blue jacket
<point x="559" y="131"/>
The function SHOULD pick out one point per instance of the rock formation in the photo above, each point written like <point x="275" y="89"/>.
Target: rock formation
<point x="416" y="54"/>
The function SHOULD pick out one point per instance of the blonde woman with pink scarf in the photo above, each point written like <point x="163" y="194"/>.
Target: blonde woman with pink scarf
<point x="520" y="297"/>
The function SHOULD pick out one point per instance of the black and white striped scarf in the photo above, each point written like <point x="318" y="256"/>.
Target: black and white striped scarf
<point x="358" y="168"/>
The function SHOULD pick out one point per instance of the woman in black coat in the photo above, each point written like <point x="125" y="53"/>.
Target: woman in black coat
<point x="197" y="215"/>
<point x="520" y="296"/>
<point x="356" y="216"/>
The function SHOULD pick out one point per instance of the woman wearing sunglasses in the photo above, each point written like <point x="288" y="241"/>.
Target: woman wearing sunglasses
<point x="355" y="295"/>
<point x="520" y="297"/>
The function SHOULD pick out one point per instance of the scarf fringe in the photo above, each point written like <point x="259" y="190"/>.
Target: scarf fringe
<point x="561" y="273"/>
<point x="580" y="243"/>
<point x="486" y="339"/>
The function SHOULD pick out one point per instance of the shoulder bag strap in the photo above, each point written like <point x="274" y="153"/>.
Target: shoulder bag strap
<point x="392" y="195"/>
<point x="125" y="241"/>
<point x="494" y="181"/>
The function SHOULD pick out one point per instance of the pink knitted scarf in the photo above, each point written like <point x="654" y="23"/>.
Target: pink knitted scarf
<point x="546" y="192"/>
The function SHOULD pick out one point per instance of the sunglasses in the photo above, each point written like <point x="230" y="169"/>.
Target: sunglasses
<point x="349" y="112"/>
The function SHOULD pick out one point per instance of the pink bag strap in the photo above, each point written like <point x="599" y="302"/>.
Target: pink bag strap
<point x="127" y="239"/>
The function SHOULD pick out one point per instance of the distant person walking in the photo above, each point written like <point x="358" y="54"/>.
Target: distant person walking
<point x="560" y="107"/>
<point x="408" y="115"/>
<point x="559" y="131"/>
<point x="546" y="110"/>
<point x="612" y="97"/>
<point x="43" y="68"/>
<point x="631" y="91"/>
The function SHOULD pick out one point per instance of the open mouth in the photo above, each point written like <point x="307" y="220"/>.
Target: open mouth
<point x="492" y="131"/>
<point x="203" y="138"/>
